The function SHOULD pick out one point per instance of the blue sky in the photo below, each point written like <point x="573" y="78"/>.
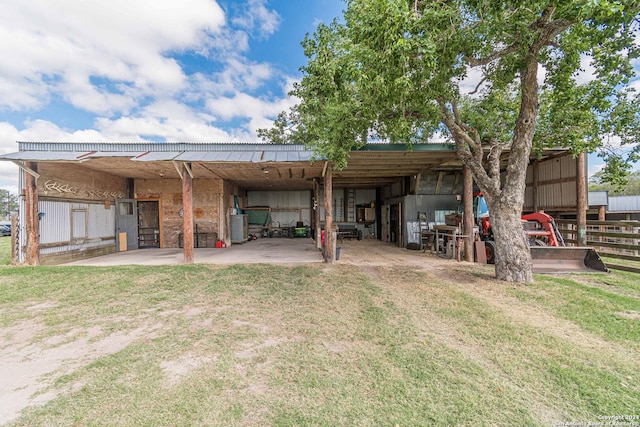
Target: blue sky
<point x="158" y="70"/>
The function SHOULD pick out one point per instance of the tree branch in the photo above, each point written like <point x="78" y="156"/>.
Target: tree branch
<point x="475" y="62"/>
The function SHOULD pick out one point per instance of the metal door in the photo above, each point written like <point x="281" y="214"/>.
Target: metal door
<point x="126" y="225"/>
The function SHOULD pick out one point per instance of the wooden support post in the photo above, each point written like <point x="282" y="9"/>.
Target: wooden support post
<point x="329" y="236"/>
<point x="316" y="213"/>
<point x="32" y="224"/>
<point x="581" y="193"/>
<point x="534" y="186"/>
<point x="602" y="216"/>
<point x="602" y="213"/>
<point x="467" y="217"/>
<point x="187" y="213"/>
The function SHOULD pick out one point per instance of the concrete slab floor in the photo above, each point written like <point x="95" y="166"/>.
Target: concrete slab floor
<point x="265" y="250"/>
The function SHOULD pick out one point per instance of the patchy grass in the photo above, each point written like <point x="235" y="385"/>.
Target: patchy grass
<point x="5" y="250"/>
<point x="315" y="345"/>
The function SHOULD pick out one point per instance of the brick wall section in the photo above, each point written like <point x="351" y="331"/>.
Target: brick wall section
<point x="69" y="181"/>
<point x="207" y="197"/>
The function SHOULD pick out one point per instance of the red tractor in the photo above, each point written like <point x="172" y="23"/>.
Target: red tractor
<point x="549" y="252"/>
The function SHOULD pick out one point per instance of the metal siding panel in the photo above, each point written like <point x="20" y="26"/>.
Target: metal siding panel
<point x="102" y="221"/>
<point x="268" y="156"/>
<point x="598" y="198"/>
<point x="55" y="225"/>
<point x="624" y="204"/>
<point x="528" y="198"/>
<point x="78" y="224"/>
<point x="569" y="196"/>
<point x="544" y="172"/>
<point x="43" y="156"/>
<point x="568" y="168"/>
<point x="154" y="156"/>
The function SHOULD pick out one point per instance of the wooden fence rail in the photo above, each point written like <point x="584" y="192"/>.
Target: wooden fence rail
<point x="612" y="239"/>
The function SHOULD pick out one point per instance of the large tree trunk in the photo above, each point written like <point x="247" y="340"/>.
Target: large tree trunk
<point x="513" y="259"/>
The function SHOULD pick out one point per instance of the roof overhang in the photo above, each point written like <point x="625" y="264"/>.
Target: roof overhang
<point x="250" y="166"/>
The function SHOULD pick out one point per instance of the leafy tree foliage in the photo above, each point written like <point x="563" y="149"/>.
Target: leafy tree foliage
<point x="397" y="70"/>
<point x="630" y="186"/>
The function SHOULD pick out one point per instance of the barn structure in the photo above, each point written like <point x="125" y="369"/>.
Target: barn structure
<point x="81" y="200"/>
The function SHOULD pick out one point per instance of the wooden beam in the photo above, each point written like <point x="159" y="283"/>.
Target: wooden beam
<point x="187" y="214"/>
<point x="417" y="183"/>
<point x="25" y="168"/>
<point x="439" y="183"/>
<point x="187" y="167"/>
<point x="534" y="190"/>
<point x="316" y="213"/>
<point x="178" y="168"/>
<point x="32" y="220"/>
<point x="456" y="180"/>
<point x="581" y="193"/>
<point x="329" y="235"/>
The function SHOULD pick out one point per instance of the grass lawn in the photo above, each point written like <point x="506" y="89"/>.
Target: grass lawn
<point x="316" y="345"/>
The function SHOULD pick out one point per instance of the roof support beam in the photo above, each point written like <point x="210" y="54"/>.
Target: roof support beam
<point x="26" y="168"/>
<point x="178" y="167"/>
<point x="187" y="167"/>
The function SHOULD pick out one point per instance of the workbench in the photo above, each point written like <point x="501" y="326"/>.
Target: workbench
<point x="450" y="232"/>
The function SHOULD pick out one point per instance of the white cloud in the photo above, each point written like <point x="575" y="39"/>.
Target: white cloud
<point x="57" y="46"/>
<point x="167" y="119"/>
<point x="587" y="72"/>
<point x="258" y="17"/>
<point x="37" y="130"/>
<point x="120" y="65"/>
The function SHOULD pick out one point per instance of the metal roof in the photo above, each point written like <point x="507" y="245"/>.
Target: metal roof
<point x="624" y="204"/>
<point x="248" y="165"/>
<point x="142" y="147"/>
<point x="44" y="156"/>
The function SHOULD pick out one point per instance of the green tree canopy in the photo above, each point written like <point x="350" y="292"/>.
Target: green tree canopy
<point x="397" y="70"/>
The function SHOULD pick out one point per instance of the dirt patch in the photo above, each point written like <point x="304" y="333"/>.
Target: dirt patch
<point x="634" y="315"/>
<point x="175" y="370"/>
<point x="28" y="370"/>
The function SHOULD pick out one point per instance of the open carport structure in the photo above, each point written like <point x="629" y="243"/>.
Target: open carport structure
<point x="86" y="199"/>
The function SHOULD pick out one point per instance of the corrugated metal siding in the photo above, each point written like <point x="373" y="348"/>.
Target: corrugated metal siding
<point x="598" y="198"/>
<point x="288" y="207"/>
<point x="556" y="184"/>
<point x="55" y="225"/>
<point x="102" y="221"/>
<point x="42" y="155"/>
<point x="78" y="224"/>
<point x="143" y="147"/>
<point x="624" y="204"/>
<point x="75" y="225"/>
